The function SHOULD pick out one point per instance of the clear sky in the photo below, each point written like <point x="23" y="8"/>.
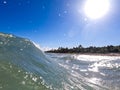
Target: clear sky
<point x="54" y="23"/>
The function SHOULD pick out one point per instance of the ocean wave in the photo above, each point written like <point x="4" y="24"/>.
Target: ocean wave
<point x="23" y="66"/>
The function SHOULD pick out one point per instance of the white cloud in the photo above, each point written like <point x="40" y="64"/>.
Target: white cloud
<point x="46" y="48"/>
<point x="42" y="48"/>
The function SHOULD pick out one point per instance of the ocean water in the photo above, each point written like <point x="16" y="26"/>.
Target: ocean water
<point x="89" y="72"/>
<point x="23" y="66"/>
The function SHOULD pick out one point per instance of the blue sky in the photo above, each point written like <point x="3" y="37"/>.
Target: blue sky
<point x="54" y="23"/>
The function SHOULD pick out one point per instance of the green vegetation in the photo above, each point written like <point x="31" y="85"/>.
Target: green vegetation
<point x="91" y="49"/>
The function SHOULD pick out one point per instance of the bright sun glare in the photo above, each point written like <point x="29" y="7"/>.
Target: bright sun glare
<point x="95" y="9"/>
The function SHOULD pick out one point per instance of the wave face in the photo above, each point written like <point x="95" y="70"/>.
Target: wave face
<point x="24" y="67"/>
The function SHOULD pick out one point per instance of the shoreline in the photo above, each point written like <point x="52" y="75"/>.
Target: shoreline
<point x="92" y="54"/>
<point x="101" y="54"/>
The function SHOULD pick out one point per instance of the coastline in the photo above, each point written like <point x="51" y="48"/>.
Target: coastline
<point x="91" y="54"/>
<point x="101" y="54"/>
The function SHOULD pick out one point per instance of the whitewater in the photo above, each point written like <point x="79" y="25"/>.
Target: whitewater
<point x="23" y="66"/>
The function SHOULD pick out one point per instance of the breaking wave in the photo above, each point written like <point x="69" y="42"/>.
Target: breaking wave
<point x="23" y="66"/>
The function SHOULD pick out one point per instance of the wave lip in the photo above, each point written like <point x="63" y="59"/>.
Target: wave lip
<point x="23" y="55"/>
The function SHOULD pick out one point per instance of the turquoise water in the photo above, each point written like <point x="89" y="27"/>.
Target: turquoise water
<point x="25" y="67"/>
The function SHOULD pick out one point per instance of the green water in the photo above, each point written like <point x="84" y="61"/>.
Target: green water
<point x="25" y="67"/>
<point x="13" y="78"/>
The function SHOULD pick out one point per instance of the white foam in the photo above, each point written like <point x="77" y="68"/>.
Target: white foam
<point x="34" y="79"/>
<point x="6" y="35"/>
<point x="23" y="82"/>
<point x="95" y="58"/>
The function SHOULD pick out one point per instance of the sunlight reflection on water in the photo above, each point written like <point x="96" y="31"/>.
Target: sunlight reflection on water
<point x="90" y="72"/>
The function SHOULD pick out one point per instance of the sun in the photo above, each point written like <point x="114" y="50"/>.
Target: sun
<point x="95" y="9"/>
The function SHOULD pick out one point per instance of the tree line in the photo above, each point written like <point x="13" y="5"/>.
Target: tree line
<point x="91" y="49"/>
